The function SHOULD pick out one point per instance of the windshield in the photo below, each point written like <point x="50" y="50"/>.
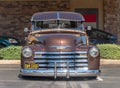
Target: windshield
<point x="37" y="25"/>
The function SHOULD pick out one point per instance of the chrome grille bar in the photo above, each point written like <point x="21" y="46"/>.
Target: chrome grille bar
<point x="79" y="60"/>
<point x="76" y="52"/>
<point x="57" y="57"/>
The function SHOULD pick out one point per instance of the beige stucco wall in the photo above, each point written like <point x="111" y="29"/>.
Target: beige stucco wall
<point x="89" y="4"/>
<point x="112" y="17"/>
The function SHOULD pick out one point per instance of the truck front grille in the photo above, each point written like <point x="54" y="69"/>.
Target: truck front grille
<point x="61" y="60"/>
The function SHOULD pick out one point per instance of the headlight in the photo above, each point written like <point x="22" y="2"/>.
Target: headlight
<point x="27" y="52"/>
<point x="12" y="40"/>
<point x="94" y="51"/>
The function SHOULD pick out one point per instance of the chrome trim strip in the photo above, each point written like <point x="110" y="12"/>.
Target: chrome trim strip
<point x="60" y="29"/>
<point x="58" y="15"/>
<point x="64" y="65"/>
<point x="60" y="74"/>
<point x="81" y="64"/>
<point x="72" y="73"/>
<point x="80" y="56"/>
<point x="52" y="61"/>
<point x="38" y="61"/>
<point x="68" y="73"/>
<point x="55" y="71"/>
<point x="81" y="60"/>
<point x="76" y="52"/>
<point x="60" y="71"/>
<point x="60" y="47"/>
<point x="57" y="57"/>
<point x="42" y="65"/>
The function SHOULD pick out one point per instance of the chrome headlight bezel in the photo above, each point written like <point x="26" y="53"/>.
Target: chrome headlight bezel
<point x="94" y="52"/>
<point x="27" y="52"/>
<point x="11" y="40"/>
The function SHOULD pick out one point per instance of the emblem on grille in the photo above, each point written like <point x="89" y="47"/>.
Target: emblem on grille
<point x="60" y="46"/>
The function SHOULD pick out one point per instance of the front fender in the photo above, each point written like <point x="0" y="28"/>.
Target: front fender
<point x="5" y="43"/>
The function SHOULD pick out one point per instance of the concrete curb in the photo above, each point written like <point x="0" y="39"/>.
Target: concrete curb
<point x="9" y="61"/>
<point x="103" y="61"/>
<point x="109" y="61"/>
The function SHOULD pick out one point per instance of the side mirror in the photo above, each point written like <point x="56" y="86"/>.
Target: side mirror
<point x="89" y="27"/>
<point x="26" y="29"/>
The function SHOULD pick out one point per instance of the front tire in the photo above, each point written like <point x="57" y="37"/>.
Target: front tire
<point x="22" y="77"/>
<point x="92" y="77"/>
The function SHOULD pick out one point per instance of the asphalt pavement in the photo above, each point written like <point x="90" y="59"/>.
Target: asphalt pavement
<point x="109" y="78"/>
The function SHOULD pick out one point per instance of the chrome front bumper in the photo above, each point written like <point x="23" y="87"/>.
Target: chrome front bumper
<point x="59" y="73"/>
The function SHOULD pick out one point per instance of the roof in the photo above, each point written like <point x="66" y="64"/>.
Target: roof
<point x="72" y="16"/>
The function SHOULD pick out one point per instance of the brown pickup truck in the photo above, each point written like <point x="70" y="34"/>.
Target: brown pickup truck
<point x="57" y="46"/>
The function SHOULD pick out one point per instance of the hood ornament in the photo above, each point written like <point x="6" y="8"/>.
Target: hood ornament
<point x="59" y="47"/>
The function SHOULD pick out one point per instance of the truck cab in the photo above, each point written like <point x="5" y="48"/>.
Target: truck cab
<point x="57" y="46"/>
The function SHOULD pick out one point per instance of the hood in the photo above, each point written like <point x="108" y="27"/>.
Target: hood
<point x="58" y="42"/>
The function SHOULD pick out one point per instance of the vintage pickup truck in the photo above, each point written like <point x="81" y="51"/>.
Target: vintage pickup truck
<point x="57" y="46"/>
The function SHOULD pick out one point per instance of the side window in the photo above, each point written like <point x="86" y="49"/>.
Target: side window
<point x="64" y="24"/>
<point x="50" y="24"/>
<point x="80" y="25"/>
<point x="38" y="24"/>
<point x="73" y="24"/>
